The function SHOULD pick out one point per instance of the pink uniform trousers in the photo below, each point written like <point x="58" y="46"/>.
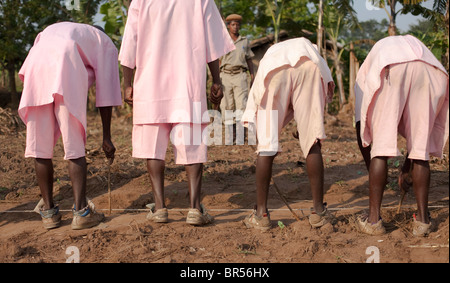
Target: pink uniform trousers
<point x="150" y="141"/>
<point x="46" y="123"/>
<point x="292" y="92"/>
<point x="410" y="99"/>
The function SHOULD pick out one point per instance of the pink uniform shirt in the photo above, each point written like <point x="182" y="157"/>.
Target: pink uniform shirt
<point x="66" y="59"/>
<point x="170" y="43"/>
<point x="388" y="51"/>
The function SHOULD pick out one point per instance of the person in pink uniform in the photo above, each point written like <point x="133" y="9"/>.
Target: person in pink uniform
<point x="63" y="63"/>
<point x="293" y="81"/>
<point x="170" y="43"/>
<point x="401" y="88"/>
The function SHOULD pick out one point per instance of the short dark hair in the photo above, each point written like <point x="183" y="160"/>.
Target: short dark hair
<point x="100" y="28"/>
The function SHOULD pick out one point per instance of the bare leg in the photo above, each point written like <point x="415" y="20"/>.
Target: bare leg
<point x="365" y="151"/>
<point x="156" y="169"/>
<point x="263" y="177"/>
<point x="421" y="180"/>
<point x="314" y="168"/>
<point x="377" y="182"/>
<point x="194" y="175"/>
<point x="77" y="173"/>
<point x="44" y="175"/>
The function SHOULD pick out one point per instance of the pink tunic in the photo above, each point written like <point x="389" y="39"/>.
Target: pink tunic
<point x="66" y="59"/>
<point x="281" y="55"/>
<point x="389" y="51"/>
<point x="170" y="43"/>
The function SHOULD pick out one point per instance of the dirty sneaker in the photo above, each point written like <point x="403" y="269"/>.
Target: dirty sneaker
<point x="86" y="217"/>
<point x="197" y="217"/>
<point x="160" y="216"/>
<point x="258" y="222"/>
<point x="51" y="218"/>
<point x="420" y="229"/>
<point x="363" y="225"/>
<point x="318" y="220"/>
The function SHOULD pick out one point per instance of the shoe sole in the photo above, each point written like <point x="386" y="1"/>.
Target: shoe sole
<point x="93" y="224"/>
<point x="159" y="220"/>
<point x="52" y="226"/>
<point x="251" y="225"/>
<point x="196" y="222"/>
<point x="76" y="227"/>
<point x="360" y="227"/>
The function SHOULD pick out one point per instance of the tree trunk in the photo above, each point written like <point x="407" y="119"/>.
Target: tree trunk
<point x="12" y="83"/>
<point x="340" y="83"/>
<point x="320" y="28"/>
<point x="446" y="59"/>
<point x="4" y="82"/>
<point x="352" y="77"/>
<point x="392" y="30"/>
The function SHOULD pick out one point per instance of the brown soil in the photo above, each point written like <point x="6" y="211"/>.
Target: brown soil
<point x="228" y="193"/>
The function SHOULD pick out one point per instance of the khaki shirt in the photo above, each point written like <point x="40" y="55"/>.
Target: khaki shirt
<point x="237" y="59"/>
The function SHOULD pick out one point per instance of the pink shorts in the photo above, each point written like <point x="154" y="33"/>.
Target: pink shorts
<point x="292" y="92"/>
<point x="46" y="123"/>
<point x="411" y="98"/>
<point x="150" y="141"/>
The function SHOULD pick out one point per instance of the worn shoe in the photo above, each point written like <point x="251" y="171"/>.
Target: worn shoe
<point x="258" y="222"/>
<point x="420" y="229"/>
<point x="197" y="217"/>
<point x="317" y="220"/>
<point x="363" y="225"/>
<point x="51" y="218"/>
<point x="86" y="217"/>
<point x="160" y="216"/>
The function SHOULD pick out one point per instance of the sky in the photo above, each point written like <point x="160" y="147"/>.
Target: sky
<point x="365" y="11"/>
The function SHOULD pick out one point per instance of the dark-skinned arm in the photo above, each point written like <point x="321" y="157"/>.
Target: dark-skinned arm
<point x="365" y="151"/>
<point x="216" y="88"/>
<point x="251" y="71"/>
<point x="107" y="146"/>
<point x="128" y="74"/>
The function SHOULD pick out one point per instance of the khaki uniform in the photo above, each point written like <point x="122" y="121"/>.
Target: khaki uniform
<point x="233" y="73"/>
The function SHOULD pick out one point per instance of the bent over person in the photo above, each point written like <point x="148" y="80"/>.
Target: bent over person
<point x="292" y="81"/>
<point x="400" y="89"/>
<point x="63" y="63"/>
<point x="170" y="43"/>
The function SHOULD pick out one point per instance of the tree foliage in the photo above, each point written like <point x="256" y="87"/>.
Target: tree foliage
<point x="115" y="17"/>
<point x="263" y="17"/>
<point x="22" y="20"/>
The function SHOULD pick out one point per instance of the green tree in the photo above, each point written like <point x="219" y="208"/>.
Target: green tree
<point x="275" y="8"/>
<point x="436" y="36"/>
<point x="363" y="38"/>
<point x="390" y="6"/>
<point x="338" y="15"/>
<point x="22" y="20"/>
<point x="115" y="17"/>
<point x="262" y="17"/>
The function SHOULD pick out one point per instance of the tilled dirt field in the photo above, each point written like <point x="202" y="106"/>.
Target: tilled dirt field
<point x="228" y="194"/>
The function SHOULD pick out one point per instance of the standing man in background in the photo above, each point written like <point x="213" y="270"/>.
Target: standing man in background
<point x="234" y="67"/>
